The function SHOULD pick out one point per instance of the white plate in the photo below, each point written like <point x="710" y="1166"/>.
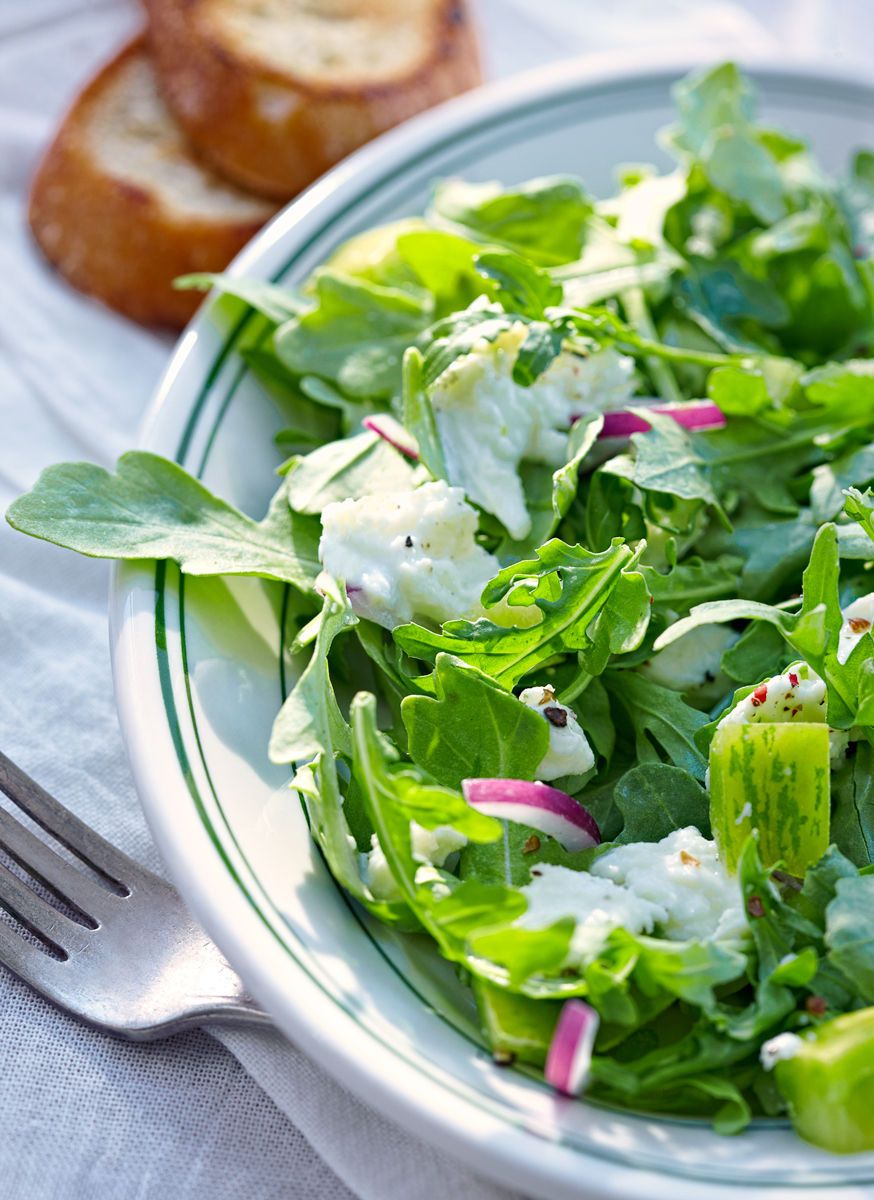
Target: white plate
<point x="200" y="673"/>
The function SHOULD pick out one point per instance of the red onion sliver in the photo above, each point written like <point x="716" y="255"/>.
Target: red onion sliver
<point x="699" y="415"/>
<point x="570" y="1051"/>
<point x="542" y="807"/>
<point x="393" y="432"/>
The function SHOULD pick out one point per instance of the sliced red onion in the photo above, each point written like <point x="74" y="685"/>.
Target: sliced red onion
<point x="699" y="415"/>
<point x="570" y="1051"/>
<point x="542" y="807"/>
<point x="393" y="432"/>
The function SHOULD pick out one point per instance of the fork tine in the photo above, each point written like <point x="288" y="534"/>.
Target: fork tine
<point x="67" y="881"/>
<point x="29" y="962"/>
<point x="58" y="821"/>
<point x="37" y="915"/>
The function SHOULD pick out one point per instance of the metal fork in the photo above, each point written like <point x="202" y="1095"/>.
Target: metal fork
<point x="133" y="961"/>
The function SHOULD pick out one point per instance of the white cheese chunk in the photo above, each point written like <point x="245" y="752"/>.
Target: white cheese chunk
<point x="779" y="1048"/>
<point x="676" y="888"/>
<point x="569" y="751"/>
<point x="407" y="555"/>
<point x="597" y="905"/>
<point x="692" y="664"/>
<point x="488" y="424"/>
<point x="858" y="621"/>
<point x="681" y="874"/>
<point x="431" y="847"/>
<point x="797" y="695"/>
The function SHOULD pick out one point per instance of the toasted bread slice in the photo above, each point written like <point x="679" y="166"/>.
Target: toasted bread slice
<point x="273" y="92"/>
<point x="121" y="206"/>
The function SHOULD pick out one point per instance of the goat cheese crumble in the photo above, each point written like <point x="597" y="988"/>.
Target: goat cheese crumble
<point x="858" y="620"/>
<point x="488" y="424"/>
<point x="693" y="664"/>
<point x="799" y="694"/>
<point x="569" y="751"/>
<point x="676" y="888"/>
<point x="407" y="556"/>
<point x="778" y="1049"/>
<point x="431" y="848"/>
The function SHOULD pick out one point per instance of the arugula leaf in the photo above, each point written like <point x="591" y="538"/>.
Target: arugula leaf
<point x="741" y="167"/>
<point x="759" y="651"/>
<point x="444" y="264"/>
<point x="738" y="392"/>
<point x="659" y="717"/>
<point x="152" y="508"/>
<point x="827" y="491"/>
<point x="655" y="799"/>
<point x="861" y="509"/>
<point x="473" y="728"/>
<point x="275" y="303"/>
<point x="394" y="794"/>
<point x="841" y="386"/>
<point x="727" y="304"/>
<point x="666" y="461"/>
<point x="310" y="726"/>
<point x="355" y="335"/>
<point x="777" y="928"/>
<point x="472" y="904"/>
<point x="550" y="494"/>
<point x="364" y="465"/>
<point x="693" y="581"/>
<point x="849" y="934"/>
<point x="510" y="859"/>
<point x="621" y="625"/>
<point x="852" y="823"/>
<point x="542" y="346"/>
<point x="709" y="99"/>
<point x="686" y="970"/>
<point x="521" y="287"/>
<point x="458" y="334"/>
<point x="820" y="885"/>
<point x="544" y="219"/>
<point x="525" y="952"/>
<point x="419" y="414"/>
<point x="595" y="718"/>
<point x="310" y="720"/>
<point x="569" y="586"/>
<point x="316" y="412"/>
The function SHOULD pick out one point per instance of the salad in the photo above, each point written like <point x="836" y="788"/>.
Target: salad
<point x="575" y="510"/>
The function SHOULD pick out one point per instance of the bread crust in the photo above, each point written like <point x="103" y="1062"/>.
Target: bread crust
<point x="117" y="239"/>
<point x="274" y="133"/>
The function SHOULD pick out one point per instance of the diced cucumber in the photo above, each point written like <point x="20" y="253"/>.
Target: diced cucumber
<point x="771" y="780"/>
<point x="829" y="1084"/>
<point x="516" y="1026"/>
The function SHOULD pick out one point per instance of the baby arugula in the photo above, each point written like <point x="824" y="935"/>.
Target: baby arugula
<point x="152" y="509"/>
<point x="567" y="584"/>
<point x="472" y="728"/>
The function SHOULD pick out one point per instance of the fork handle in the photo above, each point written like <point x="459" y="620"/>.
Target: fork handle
<point x="197" y="987"/>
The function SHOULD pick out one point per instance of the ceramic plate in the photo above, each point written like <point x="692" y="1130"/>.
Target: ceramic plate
<point x="201" y="670"/>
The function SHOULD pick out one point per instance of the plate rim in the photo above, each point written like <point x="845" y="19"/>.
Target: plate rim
<point x="204" y="883"/>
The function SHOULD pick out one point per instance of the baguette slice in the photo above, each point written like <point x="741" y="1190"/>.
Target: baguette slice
<point x="273" y="92"/>
<point x="120" y="205"/>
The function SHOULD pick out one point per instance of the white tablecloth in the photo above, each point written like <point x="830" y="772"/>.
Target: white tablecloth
<point x="244" y="1114"/>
